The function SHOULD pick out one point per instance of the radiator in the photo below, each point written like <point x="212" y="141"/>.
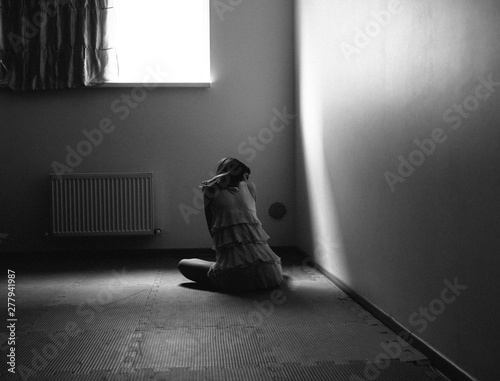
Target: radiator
<point x="101" y="204"/>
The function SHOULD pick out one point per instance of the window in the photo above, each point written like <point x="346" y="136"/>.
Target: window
<point x="163" y="41"/>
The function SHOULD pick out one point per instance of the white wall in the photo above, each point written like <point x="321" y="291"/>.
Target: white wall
<point x="177" y="133"/>
<point x="363" y="101"/>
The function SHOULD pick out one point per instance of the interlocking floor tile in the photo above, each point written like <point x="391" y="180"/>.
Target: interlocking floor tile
<point x="142" y="320"/>
<point x="81" y="352"/>
<point x="197" y="348"/>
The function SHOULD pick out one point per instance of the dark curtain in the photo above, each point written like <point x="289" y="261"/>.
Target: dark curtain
<point x="55" y="44"/>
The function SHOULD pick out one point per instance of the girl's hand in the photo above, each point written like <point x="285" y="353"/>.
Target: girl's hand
<point x="251" y="188"/>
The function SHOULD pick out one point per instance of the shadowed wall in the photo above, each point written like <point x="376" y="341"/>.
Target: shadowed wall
<point x="398" y="162"/>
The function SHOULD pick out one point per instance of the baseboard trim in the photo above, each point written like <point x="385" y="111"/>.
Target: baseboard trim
<point x="440" y="362"/>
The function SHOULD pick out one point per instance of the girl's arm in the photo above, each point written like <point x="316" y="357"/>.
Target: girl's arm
<point x="252" y="189"/>
<point x="208" y="198"/>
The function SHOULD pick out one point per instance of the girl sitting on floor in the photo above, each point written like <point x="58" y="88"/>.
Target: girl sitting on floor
<point x="244" y="261"/>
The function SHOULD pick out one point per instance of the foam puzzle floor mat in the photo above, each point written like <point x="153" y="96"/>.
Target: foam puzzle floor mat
<point x="124" y="321"/>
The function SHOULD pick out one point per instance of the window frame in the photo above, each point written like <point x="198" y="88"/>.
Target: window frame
<point x="154" y="84"/>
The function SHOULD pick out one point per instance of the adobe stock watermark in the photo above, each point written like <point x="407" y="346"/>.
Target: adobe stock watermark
<point x="33" y="27"/>
<point x="253" y="144"/>
<point x="223" y="6"/>
<point x="437" y="306"/>
<point x="264" y="309"/>
<point x="363" y="37"/>
<point x="121" y="107"/>
<point x="421" y="319"/>
<point x="257" y="315"/>
<point x="41" y="357"/>
<point x="250" y="147"/>
<point x="454" y="117"/>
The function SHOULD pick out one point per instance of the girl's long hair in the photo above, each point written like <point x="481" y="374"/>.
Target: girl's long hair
<point x="227" y="170"/>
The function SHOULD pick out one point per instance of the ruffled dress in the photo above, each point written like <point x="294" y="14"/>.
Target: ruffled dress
<point x="244" y="261"/>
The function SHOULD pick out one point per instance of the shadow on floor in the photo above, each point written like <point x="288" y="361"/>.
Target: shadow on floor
<point x="136" y="318"/>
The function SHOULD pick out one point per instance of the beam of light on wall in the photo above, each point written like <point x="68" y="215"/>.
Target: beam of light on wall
<point x="167" y="35"/>
<point x="326" y="238"/>
<point x="327" y="247"/>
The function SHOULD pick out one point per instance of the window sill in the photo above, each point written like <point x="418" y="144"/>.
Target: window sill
<point x="155" y="84"/>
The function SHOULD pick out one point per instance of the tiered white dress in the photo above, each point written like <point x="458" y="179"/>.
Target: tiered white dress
<point x="244" y="261"/>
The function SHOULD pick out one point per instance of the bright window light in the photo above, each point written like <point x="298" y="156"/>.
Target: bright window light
<point x="169" y="38"/>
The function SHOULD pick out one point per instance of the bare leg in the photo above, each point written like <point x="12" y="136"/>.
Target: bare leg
<point x="195" y="269"/>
